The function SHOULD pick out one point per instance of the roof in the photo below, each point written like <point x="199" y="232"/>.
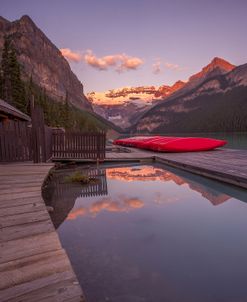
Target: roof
<point x="12" y="111"/>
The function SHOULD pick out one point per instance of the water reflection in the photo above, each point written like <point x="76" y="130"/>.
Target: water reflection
<point x="149" y="234"/>
<point x="151" y="173"/>
<point x="121" y="204"/>
<point x="61" y="195"/>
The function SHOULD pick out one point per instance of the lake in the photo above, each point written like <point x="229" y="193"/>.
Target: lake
<point x="152" y="233"/>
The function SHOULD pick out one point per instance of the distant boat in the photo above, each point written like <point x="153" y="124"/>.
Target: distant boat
<point x="171" y="144"/>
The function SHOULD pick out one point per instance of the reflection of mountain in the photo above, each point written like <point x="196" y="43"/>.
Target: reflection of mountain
<point x="61" y="196"/>
<point x="150" y="173"/>
<point x="121" y="204"/>
<point x="144" y="173"/>
<point x="214" y="196"/>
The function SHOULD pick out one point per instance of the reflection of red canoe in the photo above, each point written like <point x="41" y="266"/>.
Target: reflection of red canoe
<point x="171" y="144"/>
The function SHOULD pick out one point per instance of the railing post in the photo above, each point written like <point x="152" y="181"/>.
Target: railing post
<point x="38" y="133"/>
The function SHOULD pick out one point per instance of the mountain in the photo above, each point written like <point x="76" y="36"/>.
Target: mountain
<point x="124" y="106"/>
<point x="214" y="99"/>
<point x="121" y="106"/>
<point x="217" y="66"/>
<point x="42" y="60"/>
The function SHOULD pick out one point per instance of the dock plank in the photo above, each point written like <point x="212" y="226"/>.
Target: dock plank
<point x="43" y="289"/>
<point x="33" y="264"/>
<point x="23" y="218"/>
<point x="21" y="201"/>
<point x="30" y="268"/>
<point x="25" y="230"/>
<point x="21" y="209"/>
<point x="11" y="196"/>
<point x="28" y="246"/>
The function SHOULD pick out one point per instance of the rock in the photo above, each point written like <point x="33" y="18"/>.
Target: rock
<point x="40" y="58"/>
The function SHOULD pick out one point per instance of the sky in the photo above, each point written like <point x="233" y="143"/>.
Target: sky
<point x="114" y="43"/>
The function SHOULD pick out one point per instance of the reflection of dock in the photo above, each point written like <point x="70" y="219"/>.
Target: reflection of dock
<point x="226" y="165"/>
<point x="99" y="187"/>
<point x="61" y="195"/>
<point x="33" y="264"/>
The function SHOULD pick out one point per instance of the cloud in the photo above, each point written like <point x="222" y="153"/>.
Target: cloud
<point x="174" y="67"/>
<point x="78" y="212"/>
<point x="130" y="62"/>
<point x="134" y="203"/>
<point x="121" y="204"/>
<point x="71" y="55"/>
<point x="157" y="66"/>
<point x="105" y="204"/>
<point x="119" y="62"/>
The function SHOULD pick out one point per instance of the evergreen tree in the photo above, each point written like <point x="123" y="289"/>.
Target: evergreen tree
<point x="67" y="112"/>
<point x="1" y="84"/>
<point x="19" y="94"/>
<point x="5" y="71"/>
<point x="17" y="87"/>
<point x="29" y="93"/>
<point x="45" y="105"/>
<point x="13" y="90"/>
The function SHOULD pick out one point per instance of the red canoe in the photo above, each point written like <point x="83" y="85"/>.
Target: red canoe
<point x="171" y="144"/>
<point x="135" y="141"/>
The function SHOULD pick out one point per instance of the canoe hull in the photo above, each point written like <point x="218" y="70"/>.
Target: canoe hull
<point x="172" y="144"/>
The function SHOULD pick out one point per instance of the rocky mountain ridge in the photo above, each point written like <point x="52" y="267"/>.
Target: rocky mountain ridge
<point x="125" y="94"/>
<point x="217" y="103"/>
<point x="121" y="105"/>
<point x="125" y="105"/>
<point x="43" y="61"/>
<point x="217" y="66"/>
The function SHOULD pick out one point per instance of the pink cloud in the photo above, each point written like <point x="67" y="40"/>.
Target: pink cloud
<point x="119" y="62"/>
<point x="130" y="62"/>
<point x="121" y="204"/>
<point x="157" y="67"/>
<point x="71" y="55"/>
<point x="172" y="66"/>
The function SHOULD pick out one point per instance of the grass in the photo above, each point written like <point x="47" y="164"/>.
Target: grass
<point x="78" y="177"/>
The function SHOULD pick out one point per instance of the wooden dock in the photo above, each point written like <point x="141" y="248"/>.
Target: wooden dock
<point x="33" y="265"/>
<point x="225" y="165"/>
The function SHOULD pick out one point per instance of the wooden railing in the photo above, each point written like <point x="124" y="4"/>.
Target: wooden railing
<point x="20" y="141"/>
<point x="76" y="145"/>
<point x="41" y="136"/>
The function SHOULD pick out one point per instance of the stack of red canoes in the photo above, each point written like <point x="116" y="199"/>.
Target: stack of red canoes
<point x="171" y="144"/>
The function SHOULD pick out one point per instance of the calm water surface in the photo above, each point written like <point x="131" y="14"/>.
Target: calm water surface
<point x="236" y="140"/>
<point x="153" y="234"/>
